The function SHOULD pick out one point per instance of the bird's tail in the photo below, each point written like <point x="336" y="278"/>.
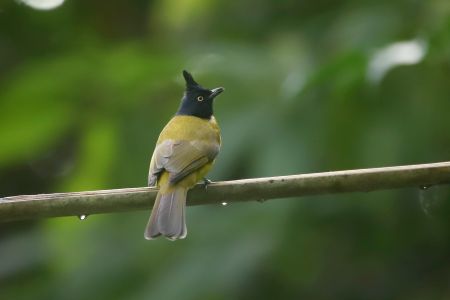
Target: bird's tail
<point x="168" y="215"/>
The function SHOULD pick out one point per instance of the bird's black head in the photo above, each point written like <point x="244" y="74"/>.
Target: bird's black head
<point x="197" y="100"/>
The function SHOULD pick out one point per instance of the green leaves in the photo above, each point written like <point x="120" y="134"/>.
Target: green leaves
<point x="103" y="79"/>
<point x="36" y="109"/>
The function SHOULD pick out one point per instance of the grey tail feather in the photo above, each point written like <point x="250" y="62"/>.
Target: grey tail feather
<point x="168" y="217"/>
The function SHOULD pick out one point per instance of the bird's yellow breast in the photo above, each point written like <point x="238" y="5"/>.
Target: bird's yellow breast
<point x="191" y="128"/>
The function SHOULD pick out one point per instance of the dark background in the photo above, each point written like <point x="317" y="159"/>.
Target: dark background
<point x="311" y="86"/>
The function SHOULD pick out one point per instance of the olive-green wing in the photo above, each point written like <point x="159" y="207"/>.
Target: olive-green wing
<point x="180" y="158"/>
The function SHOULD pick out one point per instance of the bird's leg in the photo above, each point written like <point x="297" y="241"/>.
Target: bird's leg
<point x="206" y="182"/>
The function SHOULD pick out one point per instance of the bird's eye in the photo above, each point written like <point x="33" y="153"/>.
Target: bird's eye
<point x="200" y="98"/>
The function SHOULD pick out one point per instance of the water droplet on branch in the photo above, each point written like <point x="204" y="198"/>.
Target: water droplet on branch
<point x="82" y="217"/>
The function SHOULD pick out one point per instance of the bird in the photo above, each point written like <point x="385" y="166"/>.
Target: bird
<point x="184" y="153"/>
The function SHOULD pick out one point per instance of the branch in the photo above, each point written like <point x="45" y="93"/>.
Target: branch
<point x="260" y="189"/>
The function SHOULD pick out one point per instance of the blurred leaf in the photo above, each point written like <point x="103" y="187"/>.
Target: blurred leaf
<point x="103" y="80"/>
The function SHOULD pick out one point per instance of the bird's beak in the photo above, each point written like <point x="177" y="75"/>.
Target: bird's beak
<point x="216" y="92"/>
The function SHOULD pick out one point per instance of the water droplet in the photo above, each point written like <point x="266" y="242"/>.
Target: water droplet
<point x="224" y="203"/>
<point x="82" y="217"/>
<point x="424" y="187"/>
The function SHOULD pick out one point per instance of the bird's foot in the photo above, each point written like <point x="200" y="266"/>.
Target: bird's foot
<point x="206" y="182"/>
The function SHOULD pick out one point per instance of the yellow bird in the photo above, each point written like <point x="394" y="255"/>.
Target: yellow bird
<point x="184" y="153"/>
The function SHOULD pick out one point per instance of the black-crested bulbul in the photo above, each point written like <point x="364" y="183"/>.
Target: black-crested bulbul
<point x="184" y="153"/>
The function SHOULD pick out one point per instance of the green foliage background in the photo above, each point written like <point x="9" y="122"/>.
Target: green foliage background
<point x="86" y="88"/>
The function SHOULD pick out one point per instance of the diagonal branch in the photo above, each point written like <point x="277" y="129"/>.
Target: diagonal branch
<point x="119" y="200"/>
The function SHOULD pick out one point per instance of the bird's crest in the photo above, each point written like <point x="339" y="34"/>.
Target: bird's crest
<point x="190" y="82"/>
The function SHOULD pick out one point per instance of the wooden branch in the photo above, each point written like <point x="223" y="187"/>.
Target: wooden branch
<point x="260" y="189"/>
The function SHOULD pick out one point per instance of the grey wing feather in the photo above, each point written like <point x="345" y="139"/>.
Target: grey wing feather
<point x="195" y="165"/>
<point x="180" y="158"/>
<point x="156" y="166"/>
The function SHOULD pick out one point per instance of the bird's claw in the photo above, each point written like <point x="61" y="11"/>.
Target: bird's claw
<point x="206" y="182"/>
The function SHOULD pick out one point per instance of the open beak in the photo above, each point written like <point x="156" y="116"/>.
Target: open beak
<point x="216" y="92"/>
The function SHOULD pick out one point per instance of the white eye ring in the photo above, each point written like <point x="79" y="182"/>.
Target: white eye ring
<point x="200" y="98"/>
